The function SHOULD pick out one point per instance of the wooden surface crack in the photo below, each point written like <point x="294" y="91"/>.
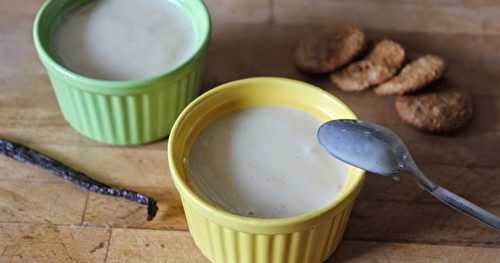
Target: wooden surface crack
<point x="110" y="231"/>
<point x="82" y="221"/>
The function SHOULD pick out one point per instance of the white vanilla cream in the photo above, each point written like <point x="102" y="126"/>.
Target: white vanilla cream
<point x="265" y="162"/>
<point x="125" y="39"/>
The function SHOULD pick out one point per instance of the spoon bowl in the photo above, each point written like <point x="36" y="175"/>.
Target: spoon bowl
<point x="382" y="150"/>
<point x="379" y="150"/>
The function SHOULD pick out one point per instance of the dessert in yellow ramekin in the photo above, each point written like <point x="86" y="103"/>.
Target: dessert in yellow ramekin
<point x="226" y="237"/>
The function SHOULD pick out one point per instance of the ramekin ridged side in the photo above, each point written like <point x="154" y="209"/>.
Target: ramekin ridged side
<point x="121" y="112"/>
<point x="225" y="237"/>
<point x="222" y="244"/>
<point x="131" y="117"/>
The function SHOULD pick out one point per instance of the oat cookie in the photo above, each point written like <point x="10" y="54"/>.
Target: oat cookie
<point x="441" y="111"/>
<point x="389" y="53"/>
<point x="361" y="75"/>
<point x="380" y="65"/>
<point x="414" y="76"/>
<point x="329" y="49"/>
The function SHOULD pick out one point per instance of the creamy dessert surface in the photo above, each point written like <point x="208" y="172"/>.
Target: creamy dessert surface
<point x="125" y="39"/>
<point x="265" y="162"/>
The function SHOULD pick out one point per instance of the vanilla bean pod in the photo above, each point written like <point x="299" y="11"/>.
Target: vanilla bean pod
<point x="24" y="154"/>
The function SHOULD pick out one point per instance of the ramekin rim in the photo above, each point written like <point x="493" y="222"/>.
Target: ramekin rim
<point x="254" y="221"/>
<point x="118" y="85"/>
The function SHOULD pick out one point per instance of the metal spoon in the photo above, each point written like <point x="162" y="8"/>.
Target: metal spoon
<point x="376" y="149"/>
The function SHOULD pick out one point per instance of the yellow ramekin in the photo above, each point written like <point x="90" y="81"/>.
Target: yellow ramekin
<point x="226" y="237"/>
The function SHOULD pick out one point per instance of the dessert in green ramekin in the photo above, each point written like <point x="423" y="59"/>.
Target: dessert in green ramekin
<point x="121" y="112"/>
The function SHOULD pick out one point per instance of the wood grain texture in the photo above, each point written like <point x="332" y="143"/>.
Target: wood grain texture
<point x="153" y="246"/>
<point x="12" y="170"/>
<point x="470" y="182"/>
<point x="156" y="246"/>
<point x="43" y="219"/>
<point x="418" y="223"/>
<point x="56" y="203"/>
<point x="443" y="16"/>
<point x="29" y="243"/>
<point x="48" y="243"/>
<point x="402" y="16"/>
<point x="369" y="252"/>
<point x="231" y="11"/>
<point x="490" y="56"/>
<point x="103" y="210"/>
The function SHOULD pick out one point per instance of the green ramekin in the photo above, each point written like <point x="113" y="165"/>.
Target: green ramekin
<point x="121" y="112"/>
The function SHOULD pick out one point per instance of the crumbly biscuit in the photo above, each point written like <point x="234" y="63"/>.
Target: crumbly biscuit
<point x="414" y="76"/>
<point x="380" y="65"/>
<point x="362" y="75"/>
<point x="389" y="53"/>
<point x="441" y="111"/>
<point x="329" y="49"/>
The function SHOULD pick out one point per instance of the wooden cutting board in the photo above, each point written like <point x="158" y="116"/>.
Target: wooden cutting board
<point x="43" y="219"/>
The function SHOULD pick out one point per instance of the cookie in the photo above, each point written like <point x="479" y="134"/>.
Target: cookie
<point x="361" y="75"/>
<point x="414" y="76"/>
<point x="380" y="65"/>
<point x="441" y="111"/>
<point x="329" y="49"/>
<point x="389" y="53"/>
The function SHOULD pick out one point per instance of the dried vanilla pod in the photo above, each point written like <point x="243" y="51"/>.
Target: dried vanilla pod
<point x="24" y="154"/>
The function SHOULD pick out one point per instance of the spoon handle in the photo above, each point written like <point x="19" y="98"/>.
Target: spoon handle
<point x="466" y="207"/>
<point x="453" y="200"/>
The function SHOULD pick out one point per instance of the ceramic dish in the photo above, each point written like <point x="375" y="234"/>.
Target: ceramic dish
<point x="121" y="112"/>
<point x="225" y="237"/>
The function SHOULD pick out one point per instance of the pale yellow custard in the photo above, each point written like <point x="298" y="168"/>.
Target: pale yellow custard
<point x="265" y="162"/>
<point x="125" y="39"/>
